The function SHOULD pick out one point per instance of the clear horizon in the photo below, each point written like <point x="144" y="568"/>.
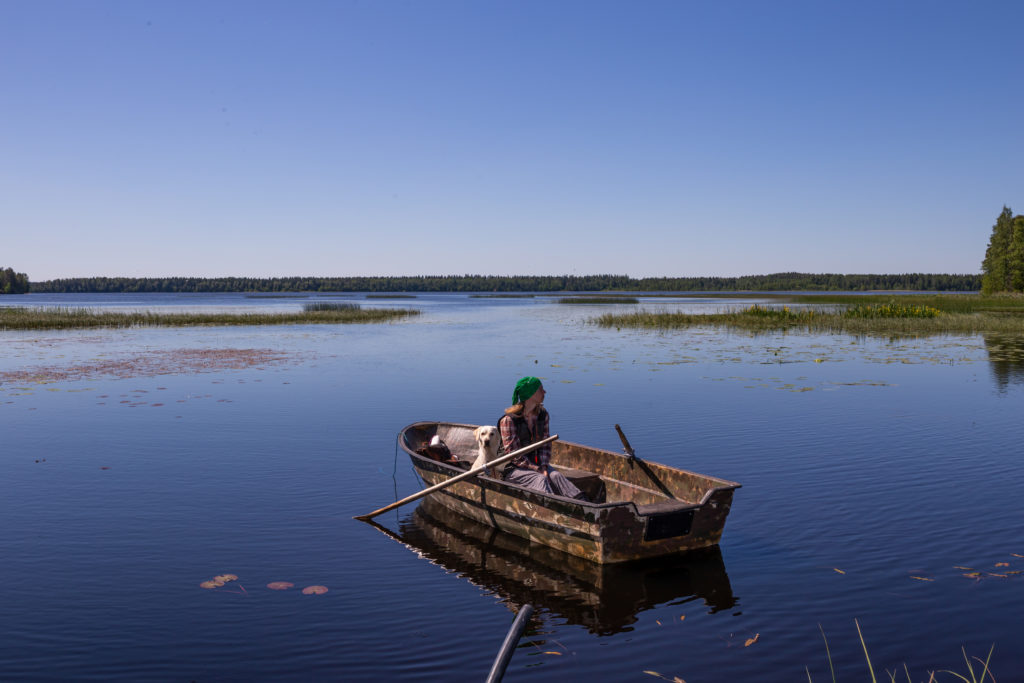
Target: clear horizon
<point x="659" y="139"/>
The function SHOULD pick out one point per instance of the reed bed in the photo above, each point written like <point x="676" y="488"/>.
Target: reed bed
<point x="891" y="319"/>
<point x="947" y="303"/>
<point x="599" y="300"/>
<point x="61" y="317"/>
<point x="329" y="306"/>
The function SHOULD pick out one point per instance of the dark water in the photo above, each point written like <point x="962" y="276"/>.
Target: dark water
<point x="864" y="464"/>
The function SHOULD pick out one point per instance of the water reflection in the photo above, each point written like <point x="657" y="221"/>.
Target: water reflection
<point x="604" y="599"/>
<point x="1006" y="358"/>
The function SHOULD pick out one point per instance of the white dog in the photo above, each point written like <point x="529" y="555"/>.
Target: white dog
<point x="486" y="446"/>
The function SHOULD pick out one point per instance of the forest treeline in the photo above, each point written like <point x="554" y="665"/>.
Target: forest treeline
<point x="13" y="283"/>
<point x="1003" y="267"/>
<point x="519" y="283"/>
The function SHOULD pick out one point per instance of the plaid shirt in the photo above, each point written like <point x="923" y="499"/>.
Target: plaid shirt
<point x="510" y="440"/>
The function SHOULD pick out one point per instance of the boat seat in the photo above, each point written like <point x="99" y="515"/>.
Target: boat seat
<point x="588" y="482"/>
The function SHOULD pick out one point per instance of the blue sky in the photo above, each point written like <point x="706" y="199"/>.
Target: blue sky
<point x="518" y="137"/>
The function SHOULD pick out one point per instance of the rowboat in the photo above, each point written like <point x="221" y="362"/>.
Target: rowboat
<point x="637" y="508"/>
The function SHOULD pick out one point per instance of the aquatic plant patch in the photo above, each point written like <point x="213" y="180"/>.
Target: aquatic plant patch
<point x="62" y="317"/>
<point x="152" y="363"/>
<point x="598" y="300"/>
<point x="315" y="306"/>
<point x="889" y="319"/>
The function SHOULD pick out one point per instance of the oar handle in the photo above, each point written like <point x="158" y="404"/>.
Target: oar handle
<point x="460" y="477"/>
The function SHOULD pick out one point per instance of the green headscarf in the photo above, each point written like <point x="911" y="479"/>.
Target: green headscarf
<point x="525" y="388"/>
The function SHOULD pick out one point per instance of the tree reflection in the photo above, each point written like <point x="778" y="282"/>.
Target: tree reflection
<point x="1006" y="358"/>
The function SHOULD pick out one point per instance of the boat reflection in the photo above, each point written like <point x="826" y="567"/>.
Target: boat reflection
<point x="605" y="599"/>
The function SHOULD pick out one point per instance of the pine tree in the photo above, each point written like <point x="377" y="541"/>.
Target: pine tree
<point x="996" y="266"/>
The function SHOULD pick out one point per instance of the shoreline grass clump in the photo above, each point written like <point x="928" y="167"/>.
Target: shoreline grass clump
<point x="63" y="317"/>
<point x="598" y="300"/>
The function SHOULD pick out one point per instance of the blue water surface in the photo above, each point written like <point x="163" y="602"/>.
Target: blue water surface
<point x="880" y="484"/>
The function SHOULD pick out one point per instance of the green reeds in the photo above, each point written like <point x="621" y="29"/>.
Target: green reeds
<point x="62" y="317"/>
<point x="947" y="303"/>
<point x="974" y="677"/>
<point x="329" y="306"/>
<point x="598" y="300"/>
<point x="892" y="319"/>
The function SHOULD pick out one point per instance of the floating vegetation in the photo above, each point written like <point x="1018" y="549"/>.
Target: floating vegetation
<point x="222" y="580"/>
<point x="314" y="590"/>
<point x="598" y="300"/>
<point x="502" y="296"/>
<point x="63" y="317"/>
<point x="152" y="363"/>
<point x="280" y="585"/>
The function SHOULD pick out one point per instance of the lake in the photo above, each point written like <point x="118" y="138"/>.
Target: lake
<point x="881" y="484"/>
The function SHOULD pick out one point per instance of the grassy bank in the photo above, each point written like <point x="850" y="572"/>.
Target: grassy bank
<point x="17" y="318"/>
<point x="904" y="316"/>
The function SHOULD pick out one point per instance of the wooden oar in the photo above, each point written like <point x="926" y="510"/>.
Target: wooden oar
<point x="460" y="477"/>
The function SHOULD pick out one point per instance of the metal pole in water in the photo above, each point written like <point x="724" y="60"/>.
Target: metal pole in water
<point x="505" y="654"/>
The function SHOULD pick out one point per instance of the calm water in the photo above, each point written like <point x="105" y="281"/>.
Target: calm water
<point x="864" y="464"/>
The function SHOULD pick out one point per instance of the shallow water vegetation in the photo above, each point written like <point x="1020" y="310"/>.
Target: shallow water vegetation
<point x="903" y="317"/>
<point x="598" y="300"/>
<point x="62" y="317"/>
<point x="947" y="303"/>
<point x="329" y="306"/>
<point x="978" y="671"/>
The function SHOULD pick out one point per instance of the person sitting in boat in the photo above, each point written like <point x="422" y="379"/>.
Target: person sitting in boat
<point x="524" y="423"/>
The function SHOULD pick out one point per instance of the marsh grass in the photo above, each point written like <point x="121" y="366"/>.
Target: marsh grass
<point x="975" y="677"/>
<point x="613" y="299"/>
<point x="899" y="317"/>
<point x="947" y="303"/>
<point x="329" y="306"/>
<point x="61" y="317"/>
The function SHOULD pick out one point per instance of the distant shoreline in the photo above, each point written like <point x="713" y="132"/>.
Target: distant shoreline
<point x="810" y="282"/>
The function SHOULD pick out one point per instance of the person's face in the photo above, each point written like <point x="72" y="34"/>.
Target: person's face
<point x="538" y="397"/>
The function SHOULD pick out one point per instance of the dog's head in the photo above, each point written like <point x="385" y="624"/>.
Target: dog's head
<point x="486" y="437"/>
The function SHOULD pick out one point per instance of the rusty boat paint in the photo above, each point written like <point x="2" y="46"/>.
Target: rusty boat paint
<point x="639" y="509"/>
